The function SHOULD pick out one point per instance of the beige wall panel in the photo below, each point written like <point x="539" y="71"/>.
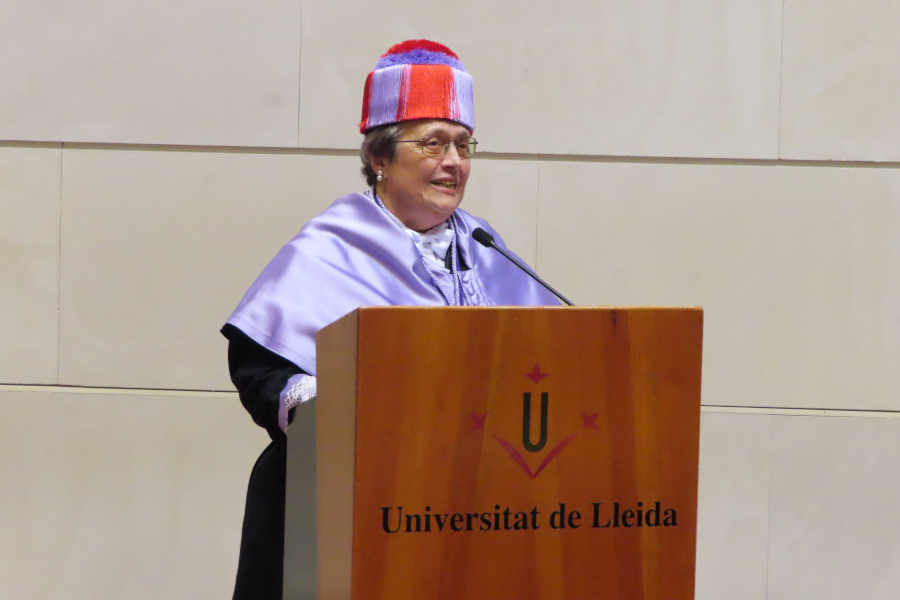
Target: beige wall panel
<point x="835" y="511"/>
<point x="663" y="78"/>
<point x="159" y="247"/>
<point x="733" y="512"/>
<point x="841" y="88"/>
<point x="218" y="72"/>
<point x="796" y="268"/>
<point x="505" y="194"/>
<point x="29" y="264"/>
<point x="110" y="497"/>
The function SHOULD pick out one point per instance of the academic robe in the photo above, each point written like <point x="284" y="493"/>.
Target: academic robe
<point x="353" y="254"/>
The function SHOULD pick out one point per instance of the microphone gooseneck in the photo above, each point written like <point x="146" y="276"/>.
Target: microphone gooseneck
<point x="487" y="240"/>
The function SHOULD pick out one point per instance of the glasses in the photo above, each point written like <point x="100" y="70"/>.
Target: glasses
<point x="437" y="148"/>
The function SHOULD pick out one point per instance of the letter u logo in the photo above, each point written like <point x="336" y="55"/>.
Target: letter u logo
<point x="526" y="423"/>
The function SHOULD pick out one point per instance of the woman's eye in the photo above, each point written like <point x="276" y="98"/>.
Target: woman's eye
<point x="433" y="143"/>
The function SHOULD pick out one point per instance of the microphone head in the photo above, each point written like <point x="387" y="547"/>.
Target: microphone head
<point x="483" y="237"/>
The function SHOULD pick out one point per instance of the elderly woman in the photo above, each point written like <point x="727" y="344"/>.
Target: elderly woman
<point x="403" y="242"/>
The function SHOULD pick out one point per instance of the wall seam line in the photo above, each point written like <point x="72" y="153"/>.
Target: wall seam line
<point x="299" y="74"/>
<point x="482" y="155"/>
<point x="769" y="502"/>
<point x="114" y="391"/>
<point x="780" y="81"/>
<point x="59" y="252"/>
<point x="148" y="391"/>
<point x="537" y="216"/>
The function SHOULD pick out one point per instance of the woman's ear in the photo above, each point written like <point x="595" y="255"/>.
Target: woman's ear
<point x="379" y="163"/>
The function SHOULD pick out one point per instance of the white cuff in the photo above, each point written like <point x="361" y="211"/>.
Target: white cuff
<point x="299" y="388"/>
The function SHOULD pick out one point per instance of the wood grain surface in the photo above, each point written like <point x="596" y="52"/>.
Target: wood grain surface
<point x="448" y="500"/>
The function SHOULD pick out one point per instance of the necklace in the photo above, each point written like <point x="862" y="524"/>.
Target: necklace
<point x="456" y="299"/>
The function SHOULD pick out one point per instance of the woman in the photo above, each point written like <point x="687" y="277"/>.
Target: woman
<point x="404" y="242"/>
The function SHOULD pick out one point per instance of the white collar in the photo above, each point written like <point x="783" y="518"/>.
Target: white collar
<point x="434" y="243"/>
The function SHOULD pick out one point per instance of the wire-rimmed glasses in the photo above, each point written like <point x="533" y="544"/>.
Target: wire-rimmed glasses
<point x="438" y="148"/>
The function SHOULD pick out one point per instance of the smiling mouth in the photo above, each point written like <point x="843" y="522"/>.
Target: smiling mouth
<point x="447" y="185"/>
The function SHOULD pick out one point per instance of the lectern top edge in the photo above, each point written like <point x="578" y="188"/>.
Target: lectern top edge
<point x="534" y="308"/>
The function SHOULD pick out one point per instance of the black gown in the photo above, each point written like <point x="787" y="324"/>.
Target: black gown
<point x="259" y="376"/>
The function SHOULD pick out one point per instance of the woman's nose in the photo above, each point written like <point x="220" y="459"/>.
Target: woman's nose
<point x="451" y="156"/>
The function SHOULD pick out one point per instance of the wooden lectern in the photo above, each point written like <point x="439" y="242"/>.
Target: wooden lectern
<point x="498" y="454"/>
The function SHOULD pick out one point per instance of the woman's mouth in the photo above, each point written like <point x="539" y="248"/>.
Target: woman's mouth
<point x="447" y="185"/>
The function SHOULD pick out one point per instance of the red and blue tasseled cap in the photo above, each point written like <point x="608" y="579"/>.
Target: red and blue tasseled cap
<point x="418" y="79"/>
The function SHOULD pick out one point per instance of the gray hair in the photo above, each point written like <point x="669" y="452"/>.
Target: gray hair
<point x="380" y="142"/>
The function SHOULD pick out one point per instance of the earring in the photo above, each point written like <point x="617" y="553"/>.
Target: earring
<point x="379" y="177"/>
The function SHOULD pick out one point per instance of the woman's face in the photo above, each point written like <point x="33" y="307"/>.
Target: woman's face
<point x="423" y="191"/>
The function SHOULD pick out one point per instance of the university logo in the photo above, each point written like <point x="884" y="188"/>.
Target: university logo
<point x="534" y="437"/>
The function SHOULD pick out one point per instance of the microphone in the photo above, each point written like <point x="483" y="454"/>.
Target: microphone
<point x="487" y="240"/>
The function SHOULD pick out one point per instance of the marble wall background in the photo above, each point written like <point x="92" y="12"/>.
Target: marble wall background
<point x="741" y="155"/>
